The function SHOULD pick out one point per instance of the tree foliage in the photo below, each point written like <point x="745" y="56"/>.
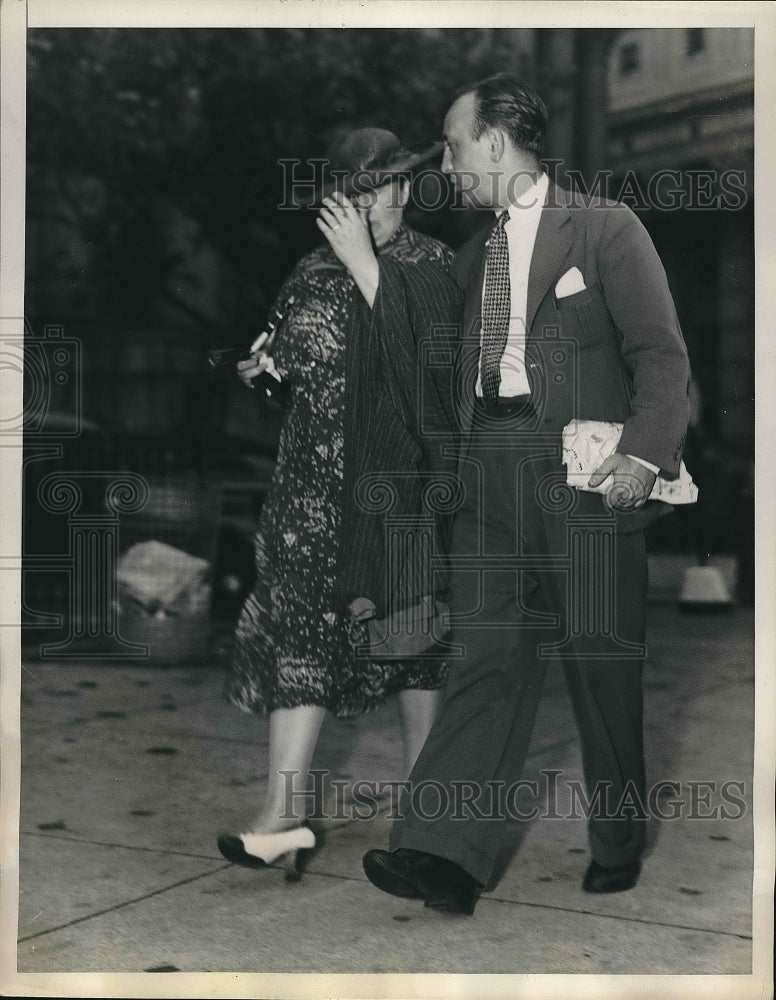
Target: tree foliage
<point x="126" y="126"/>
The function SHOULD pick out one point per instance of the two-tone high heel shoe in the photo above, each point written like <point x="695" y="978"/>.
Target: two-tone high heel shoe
<point x="257" y="850"/>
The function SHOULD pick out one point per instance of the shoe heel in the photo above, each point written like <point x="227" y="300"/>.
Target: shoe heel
<point x="295" y="862"/>
<point x="291" y="865"/>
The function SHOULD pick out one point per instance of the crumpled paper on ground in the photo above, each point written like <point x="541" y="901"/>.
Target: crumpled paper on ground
<point x="164" y="580"/>
<point x="586" y="443"/>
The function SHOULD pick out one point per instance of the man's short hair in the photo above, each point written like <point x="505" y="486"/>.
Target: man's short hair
<point x="504" y="101"/>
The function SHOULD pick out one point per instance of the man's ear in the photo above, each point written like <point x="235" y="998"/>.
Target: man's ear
<point x="497" y="144"/>
<point x="404" y="192"/>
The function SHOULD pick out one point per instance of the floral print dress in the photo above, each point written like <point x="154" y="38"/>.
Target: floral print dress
<point x="291" y="647"/>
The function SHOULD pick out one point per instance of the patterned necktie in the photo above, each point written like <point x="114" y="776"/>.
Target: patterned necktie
<point x="495" y="310"/>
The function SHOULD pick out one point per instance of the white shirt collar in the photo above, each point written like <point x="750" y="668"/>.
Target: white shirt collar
<point x="533" y="197"/>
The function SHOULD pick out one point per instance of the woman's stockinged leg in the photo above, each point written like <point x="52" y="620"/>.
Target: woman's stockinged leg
<point x="418" y="711"/>
<point x="293" y="734"/>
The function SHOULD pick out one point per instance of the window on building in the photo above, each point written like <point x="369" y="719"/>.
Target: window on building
<point x="694" y="40"/>
<point x="629" y="58"/>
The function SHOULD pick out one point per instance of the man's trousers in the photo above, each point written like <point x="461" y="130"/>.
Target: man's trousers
<point x="538" y="577"/>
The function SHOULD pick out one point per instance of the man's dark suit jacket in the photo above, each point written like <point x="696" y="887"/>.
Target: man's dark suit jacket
<point x="612" y="352"/>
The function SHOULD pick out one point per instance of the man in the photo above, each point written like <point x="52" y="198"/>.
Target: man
<point x="568" y="316"/>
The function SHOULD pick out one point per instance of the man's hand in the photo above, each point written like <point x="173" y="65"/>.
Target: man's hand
<point x="631" y="482"/>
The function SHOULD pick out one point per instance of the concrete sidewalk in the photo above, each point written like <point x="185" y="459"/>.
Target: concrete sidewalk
<point x="129" y="772"/>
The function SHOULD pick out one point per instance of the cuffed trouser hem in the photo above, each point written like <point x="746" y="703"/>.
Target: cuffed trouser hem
<point x="465" y="855"/>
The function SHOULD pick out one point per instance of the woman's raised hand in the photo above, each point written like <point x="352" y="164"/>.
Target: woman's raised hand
<point x="347" y="230"/>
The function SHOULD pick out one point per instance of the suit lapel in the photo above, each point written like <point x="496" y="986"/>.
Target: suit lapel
<point x="553" y="242"/>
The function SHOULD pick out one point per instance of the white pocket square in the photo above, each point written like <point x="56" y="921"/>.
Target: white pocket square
<point x="570" y="283"/>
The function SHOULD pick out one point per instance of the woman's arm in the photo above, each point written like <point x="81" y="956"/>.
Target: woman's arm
<point x="347" y="231"/>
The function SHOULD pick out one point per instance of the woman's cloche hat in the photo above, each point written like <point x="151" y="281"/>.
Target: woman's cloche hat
<point x="365" y="159"/>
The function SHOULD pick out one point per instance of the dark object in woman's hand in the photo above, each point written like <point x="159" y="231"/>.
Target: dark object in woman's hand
<point x="223" y="359"/>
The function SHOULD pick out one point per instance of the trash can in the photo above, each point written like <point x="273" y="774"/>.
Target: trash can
<point x="165" y="567"/>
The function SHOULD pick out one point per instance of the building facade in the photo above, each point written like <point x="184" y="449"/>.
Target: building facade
<point x="680" y="137"/>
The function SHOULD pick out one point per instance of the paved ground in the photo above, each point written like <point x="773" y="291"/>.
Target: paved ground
<point x="128" y="773"/>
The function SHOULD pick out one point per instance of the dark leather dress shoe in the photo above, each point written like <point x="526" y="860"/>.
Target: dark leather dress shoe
<point x="600" y="879"/>
<point x="443" y="885"/>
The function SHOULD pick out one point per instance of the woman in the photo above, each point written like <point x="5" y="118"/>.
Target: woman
<point x="353" y="312"/>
